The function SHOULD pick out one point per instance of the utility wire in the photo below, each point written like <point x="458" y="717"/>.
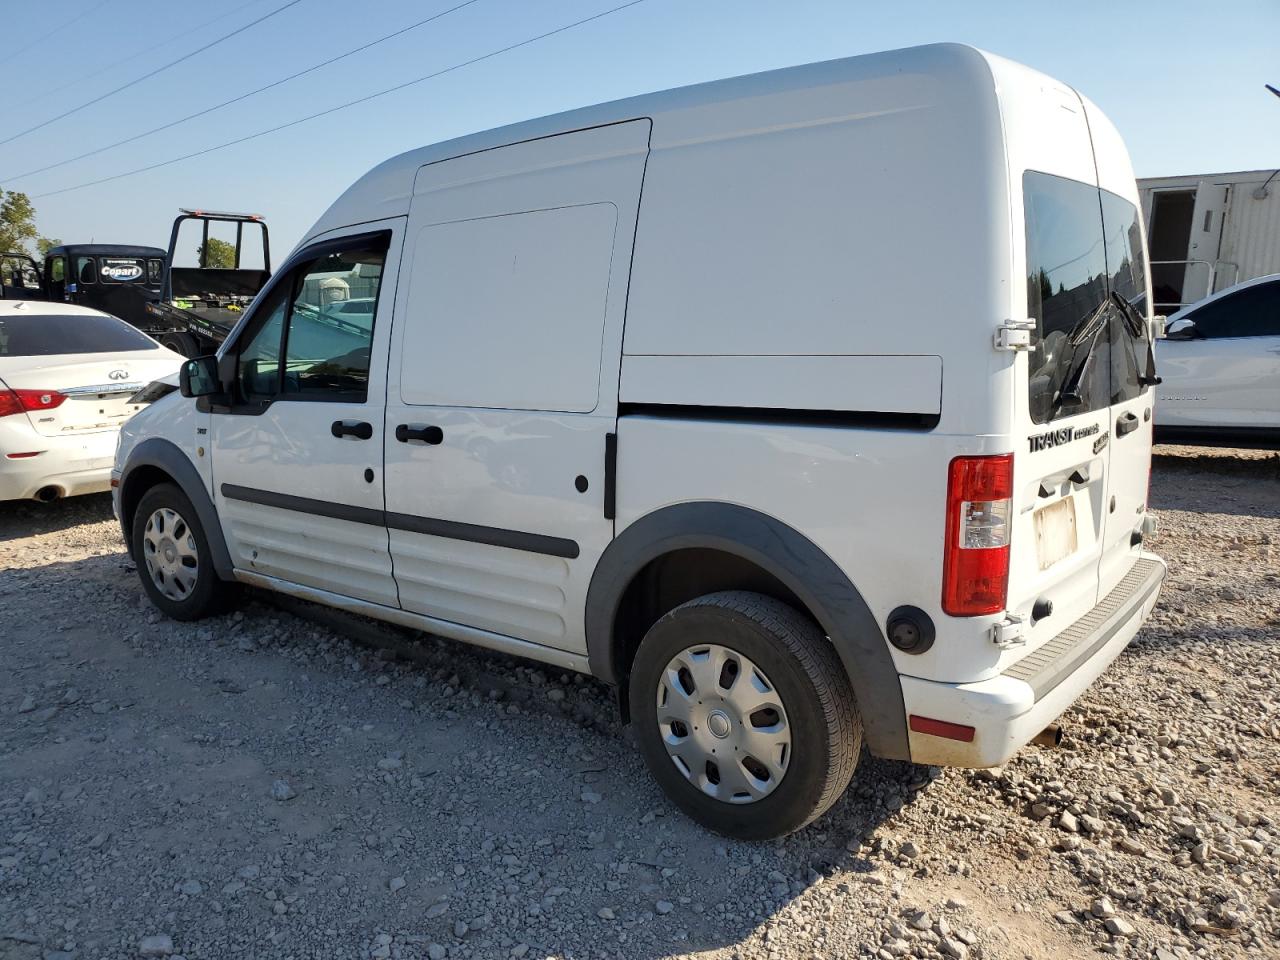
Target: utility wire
<point x="60" y="27"/>
<point x="243" y="96"/>
<point x="148" y="76"/>
<point x="50" y="91"/>
<point x="343" y="106"/>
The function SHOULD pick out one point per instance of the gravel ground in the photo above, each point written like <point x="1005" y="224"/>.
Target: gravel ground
<point x="287" y="782"/>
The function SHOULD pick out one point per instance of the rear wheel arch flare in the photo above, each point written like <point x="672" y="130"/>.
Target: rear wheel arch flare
<point x="787" y="565"/>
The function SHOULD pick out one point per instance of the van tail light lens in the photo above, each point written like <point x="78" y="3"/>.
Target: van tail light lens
<point x="975" y="565"/>
<point x="23" y="401"/>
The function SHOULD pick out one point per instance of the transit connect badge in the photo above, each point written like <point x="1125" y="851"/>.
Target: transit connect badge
<point x="1056" y="438"/>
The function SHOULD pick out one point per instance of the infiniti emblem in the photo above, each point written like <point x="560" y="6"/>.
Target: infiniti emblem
<point x="119" y="374"/>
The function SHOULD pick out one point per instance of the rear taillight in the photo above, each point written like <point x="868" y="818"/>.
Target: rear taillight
<point x="22" y="401"/>
<point x="975" y="565"/>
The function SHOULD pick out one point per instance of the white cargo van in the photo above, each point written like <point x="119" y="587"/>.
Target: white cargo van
<point x="811" y="409"/>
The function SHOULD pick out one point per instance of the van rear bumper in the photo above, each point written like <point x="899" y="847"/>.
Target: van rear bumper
<point x="1006" y="711"/>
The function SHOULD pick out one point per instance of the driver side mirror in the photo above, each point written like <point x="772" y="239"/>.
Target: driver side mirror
<point x="1182" y="329"/>
<point x="199" y="377"/>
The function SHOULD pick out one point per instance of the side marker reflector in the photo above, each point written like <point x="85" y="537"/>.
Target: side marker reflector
<point x="940" y="728"/>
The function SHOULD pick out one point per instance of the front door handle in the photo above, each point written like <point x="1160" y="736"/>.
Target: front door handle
<point x="352" y="428"/>
<point x="418" y="433"/>
<point x="1127" y="424"/>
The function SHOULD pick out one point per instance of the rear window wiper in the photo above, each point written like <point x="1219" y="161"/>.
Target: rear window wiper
<point x="1086" y="331"/>
<point x="1136" y="324"/>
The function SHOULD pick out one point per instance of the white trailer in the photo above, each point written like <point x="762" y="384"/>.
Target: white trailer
<point x="1207" y="232"/>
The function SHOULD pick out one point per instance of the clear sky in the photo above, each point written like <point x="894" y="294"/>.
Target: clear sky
<point x="1181" y="79"/>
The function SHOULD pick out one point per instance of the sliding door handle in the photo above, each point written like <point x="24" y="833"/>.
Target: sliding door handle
<point x="352" y="428"/>
<point x="1127" y="424"/>
<point x="418" y="433"/>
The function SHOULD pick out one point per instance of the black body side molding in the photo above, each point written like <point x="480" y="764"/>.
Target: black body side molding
<point x="790" y="557"/>
<point x="452" y="529"/>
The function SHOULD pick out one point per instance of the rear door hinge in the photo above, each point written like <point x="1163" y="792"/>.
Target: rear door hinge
<point x="1008" y="633"/>
<point x="1015" y="335"/>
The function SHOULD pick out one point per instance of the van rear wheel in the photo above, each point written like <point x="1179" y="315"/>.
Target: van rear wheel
<point x="744" y="714"/>
<point x="172" y="553"/>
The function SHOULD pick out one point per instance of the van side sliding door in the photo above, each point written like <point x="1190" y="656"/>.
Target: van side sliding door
<point x="502" y="385"/>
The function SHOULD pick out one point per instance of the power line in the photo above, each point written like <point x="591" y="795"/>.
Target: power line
<point x="243" y="96"/>
<point x="50" y="91"/>
<point x="148" y="76"/>
<point x="342" y="106"/>
<point x="60" y="27"/>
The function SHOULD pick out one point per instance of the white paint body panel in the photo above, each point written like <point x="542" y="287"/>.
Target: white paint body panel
<point x="1227" y="382"/>
<point x="556" y="220"/>
<point x="888" y="384"/>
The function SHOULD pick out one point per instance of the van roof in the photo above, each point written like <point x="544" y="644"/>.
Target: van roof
<point x="385" y="190"/>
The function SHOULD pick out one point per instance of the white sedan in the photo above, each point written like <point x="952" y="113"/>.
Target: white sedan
<point x="67" y="374"/>
<point x="1220" y="363"/>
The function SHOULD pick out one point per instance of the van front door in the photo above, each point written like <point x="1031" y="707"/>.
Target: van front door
<point x="297" y="458"/>
<point x="502" y="388"/>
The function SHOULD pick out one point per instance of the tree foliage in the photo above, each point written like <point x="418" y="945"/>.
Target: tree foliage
<point x="18" y="224"/>
<point x="222" y="253"/>
<point x="17" y="221"/>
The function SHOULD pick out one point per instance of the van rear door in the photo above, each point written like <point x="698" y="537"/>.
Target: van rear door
<point x="1061" y="497"/>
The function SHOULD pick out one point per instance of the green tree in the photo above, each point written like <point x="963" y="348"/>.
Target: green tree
<point x="17" y="222"/>
<point x="221" y="253"/>
<point x="45" y="244"/>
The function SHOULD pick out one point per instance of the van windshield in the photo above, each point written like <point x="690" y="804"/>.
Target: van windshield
<point x="1083" y="246"/>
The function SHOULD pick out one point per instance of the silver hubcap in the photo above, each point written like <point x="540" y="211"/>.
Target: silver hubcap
<point x="723" y="724"/>
<point x="169" y="548"/>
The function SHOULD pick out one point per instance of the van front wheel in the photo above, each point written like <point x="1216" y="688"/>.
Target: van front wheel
<point x="744" y="714"/>
<point x="172" y="554"/>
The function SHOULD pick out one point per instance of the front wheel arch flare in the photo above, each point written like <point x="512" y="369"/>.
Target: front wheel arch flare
<point x="156" y="460"/>
<point x="795" y="561"/>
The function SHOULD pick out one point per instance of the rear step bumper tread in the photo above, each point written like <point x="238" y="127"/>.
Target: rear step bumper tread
<point x="1054" y="661"/>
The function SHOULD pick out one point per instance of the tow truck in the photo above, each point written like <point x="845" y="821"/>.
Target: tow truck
<point x="199" y="305"/>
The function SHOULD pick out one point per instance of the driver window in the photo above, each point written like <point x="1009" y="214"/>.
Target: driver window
<point x="57" y="270"/>
<point x="330" y="330"/>
<point x="258" y="366"/>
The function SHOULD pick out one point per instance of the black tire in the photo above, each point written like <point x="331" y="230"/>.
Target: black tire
<point x="181" y="342"/>
<point x="208" y="595"/>
<point x="808" y="677"/>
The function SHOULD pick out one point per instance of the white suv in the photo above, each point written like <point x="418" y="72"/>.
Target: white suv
<point x="1221" y="369"/>
<point x="726" y="395"/>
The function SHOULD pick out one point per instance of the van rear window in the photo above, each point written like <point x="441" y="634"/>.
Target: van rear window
<point x="44" y="335"/>
<point x="1086" y="356"/>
